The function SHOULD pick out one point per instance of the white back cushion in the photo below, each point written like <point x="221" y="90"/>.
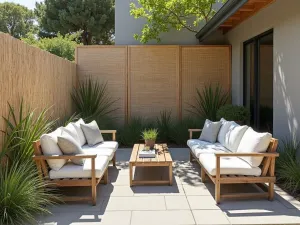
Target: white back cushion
<point x="223" y="131"/>
<point x="50" y="147"/>
<point x="254" y="142"/>
<point x="79" y="131"/>
<point x="71" y="130"/>
<point x="234" y="136"/>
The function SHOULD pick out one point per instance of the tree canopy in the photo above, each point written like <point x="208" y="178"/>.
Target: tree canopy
<point x="16" y="20"/>
<point x="95" y="18"/>
<point x="164" y="15"/>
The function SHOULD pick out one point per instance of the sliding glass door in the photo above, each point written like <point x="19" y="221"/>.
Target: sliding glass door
<point x="258" y="81"/>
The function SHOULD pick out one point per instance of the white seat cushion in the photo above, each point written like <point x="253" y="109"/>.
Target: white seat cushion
<point x="106" y="148"/>
<point x="228" y="166"/>
<point x="71" y="170"/>
<point x="50" y="147"/>
<point x="198" y="147"/>
<point x="254" y="142"/>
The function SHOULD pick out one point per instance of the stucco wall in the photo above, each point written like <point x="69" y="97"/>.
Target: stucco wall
<point x="284" y="17"/>
<point x="126" y="26"/>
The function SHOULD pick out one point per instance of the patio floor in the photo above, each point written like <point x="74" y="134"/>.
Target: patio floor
<point x="188" y="201"/>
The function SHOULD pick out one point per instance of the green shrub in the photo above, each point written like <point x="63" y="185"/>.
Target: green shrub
<point x="287" y="165"/>
<point x="164" y="124"/>
<point x="92" y="100"/>
<point x="150" y="134"/>
<point x="22" y="194"/>
<point x="209" y="101"/>
<point x="233" y="113"/>
<point x="180" y="134"/>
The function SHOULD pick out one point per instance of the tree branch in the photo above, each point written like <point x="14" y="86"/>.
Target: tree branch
<point x="180" y="21"/>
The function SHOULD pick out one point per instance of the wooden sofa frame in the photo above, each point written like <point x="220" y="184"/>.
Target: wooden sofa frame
<point x="267" y="176"/>
<point x="43" y="171"/>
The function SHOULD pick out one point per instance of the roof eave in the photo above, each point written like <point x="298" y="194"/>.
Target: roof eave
<point x="227" y="10"/>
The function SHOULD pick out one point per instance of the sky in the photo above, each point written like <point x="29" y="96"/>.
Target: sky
<point x="28" y="3"/>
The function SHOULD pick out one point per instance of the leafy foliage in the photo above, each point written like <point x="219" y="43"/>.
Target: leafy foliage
<point x="288" y="166"/>
<point x="63" y="46"/>
<point x="164" y="15"/>
<point x="94" y="17"/>
<point x="150" y="134"/>
<point x="92" y="100"/>
<point x="233" y="113"/>
<point x="15" y="19"/>
<point x="164" y="123"/>
<point x="209" y="101"/>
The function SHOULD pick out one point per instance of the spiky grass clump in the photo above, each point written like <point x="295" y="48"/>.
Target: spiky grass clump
<point x="288" y="165"/>
<point x="24" y="126"/>
<point x="22" y="194"/>
<point x="92" y="100"/>
<point x="209" y="101"/>
<point x="164" y="124"/>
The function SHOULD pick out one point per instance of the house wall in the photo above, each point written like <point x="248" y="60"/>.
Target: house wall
<point x="126" y="26"/>
<point x="284" y="18"/>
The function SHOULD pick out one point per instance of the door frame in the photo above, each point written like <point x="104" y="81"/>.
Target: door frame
<point x="256" y="41"/>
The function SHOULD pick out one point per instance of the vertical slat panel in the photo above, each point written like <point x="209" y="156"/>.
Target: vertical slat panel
<point x="203" y="65"/>
<point x="153" y="80"/>
<point x="106" y="64"/>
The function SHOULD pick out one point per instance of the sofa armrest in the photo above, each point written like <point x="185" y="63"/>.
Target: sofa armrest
<point x="236" y="154"/>
<point x="193" y="130"/>
<point x="79" y="156"/>
<point x="113" y="132"/>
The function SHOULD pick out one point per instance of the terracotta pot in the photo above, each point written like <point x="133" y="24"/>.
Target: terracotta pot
<point x="150" y="143"/>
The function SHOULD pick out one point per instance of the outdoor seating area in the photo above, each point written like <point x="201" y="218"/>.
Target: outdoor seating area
<point x="187" y="201"/>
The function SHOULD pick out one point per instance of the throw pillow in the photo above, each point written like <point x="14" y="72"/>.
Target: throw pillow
<point x="210" y="131"/>
<point x="69" y="146"/>
<point x="92" y="133"/>
<point x="254" y="142"/>
<point x="234" y="136"/>
<point x="50" y="147"/>
<point x="79" y="131"/>
<point x="71" y="130"/>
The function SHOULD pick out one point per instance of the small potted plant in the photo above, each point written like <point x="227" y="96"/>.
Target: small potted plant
<point x="150" y="135"/>
<point x="239" y="114"/>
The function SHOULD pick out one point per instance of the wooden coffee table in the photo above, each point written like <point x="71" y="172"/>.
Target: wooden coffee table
<point x="163" y="159"/>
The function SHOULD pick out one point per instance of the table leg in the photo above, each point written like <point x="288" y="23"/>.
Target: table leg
<point x="171" y="174"/>
<point x="130" y="174"/>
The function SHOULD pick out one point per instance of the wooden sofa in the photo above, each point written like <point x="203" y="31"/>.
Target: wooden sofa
<point x="267" y="173"/>
<point x="93" y="181"/>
